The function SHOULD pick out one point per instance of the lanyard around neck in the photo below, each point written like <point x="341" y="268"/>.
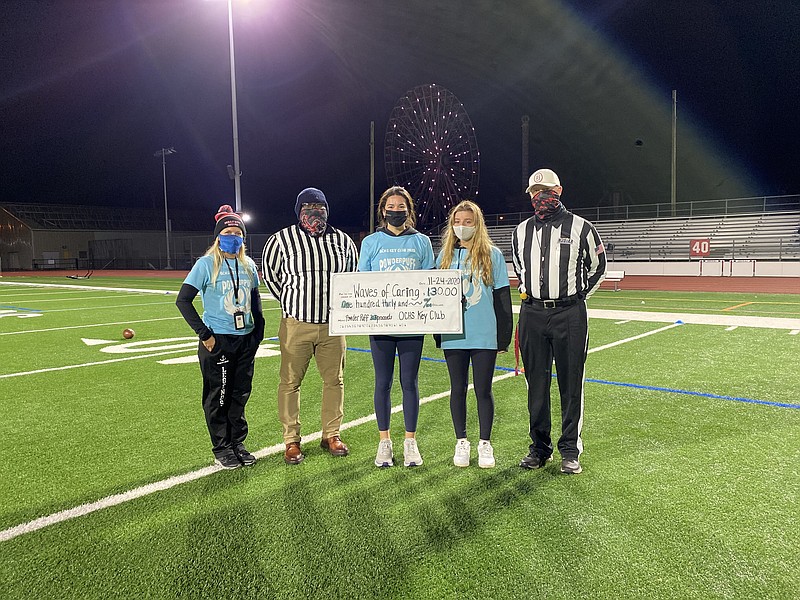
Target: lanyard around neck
<point x="234" y="281"/>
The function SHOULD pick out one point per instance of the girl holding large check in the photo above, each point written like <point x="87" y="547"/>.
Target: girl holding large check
<point x="488" y="324"/>
<point x="396" y="246"/>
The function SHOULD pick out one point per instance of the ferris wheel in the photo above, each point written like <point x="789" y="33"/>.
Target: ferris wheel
<point x="430" y="149"/>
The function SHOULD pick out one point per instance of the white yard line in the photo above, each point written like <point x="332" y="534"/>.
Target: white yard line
<point x="636" y="337"/>
<point x="264" y="298"/>
<point x="104" y="307"/>
<point x="105" y="324"/>
<point x="82" y="298"/>
<point x="89" y="364"/>
<point x="38" y="293"/>
<point x="90" y="325"/>
<point x="165" y="484"/>
<point x="693" y="319"/>
<point x="67" y="286"/>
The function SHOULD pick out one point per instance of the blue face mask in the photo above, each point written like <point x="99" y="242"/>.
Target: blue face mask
<point x="230" y="244"/>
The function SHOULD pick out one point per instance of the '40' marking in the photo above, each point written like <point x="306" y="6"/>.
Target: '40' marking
<point x="166" y="344"/>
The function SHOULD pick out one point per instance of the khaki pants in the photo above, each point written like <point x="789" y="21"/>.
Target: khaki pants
<point x="299" y="342"/>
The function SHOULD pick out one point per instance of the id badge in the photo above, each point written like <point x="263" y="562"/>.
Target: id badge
<point x="238" y="321"/>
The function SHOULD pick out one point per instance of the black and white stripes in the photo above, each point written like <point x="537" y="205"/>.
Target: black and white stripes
<point x="298" y="268"/>
<point x="558" y="258"/>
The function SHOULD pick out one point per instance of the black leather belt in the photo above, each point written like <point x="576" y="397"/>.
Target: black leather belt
<point x="561" y="302"/>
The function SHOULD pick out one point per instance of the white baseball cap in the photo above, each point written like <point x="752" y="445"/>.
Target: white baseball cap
<point x="542" y="179"/>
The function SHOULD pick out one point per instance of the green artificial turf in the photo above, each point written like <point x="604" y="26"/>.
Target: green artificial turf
<point x="690" y="484"/>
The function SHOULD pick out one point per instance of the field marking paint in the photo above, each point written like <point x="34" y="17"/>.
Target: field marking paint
<point x="622" y="322"/>
<point x="265" y="298"/>
<point x="731" y="328"/>
<point x="94" y="288"/>
<point x="700" y="394"/>
<point x="158" y="486"/>
<point x="794" y="332"/>
<point x="82" y="298"/>
<point x="90" y="325"/>
<point x="56" y="310"/>
<point x="738" y="306"/>
<point x="677" y="391"/>
<point x="89" y="364"/>
<point x="104" y="307"/>
<point x="38" y="293"/>
<point x="95" y="342"/>
<point x="605" y="294"/>
<point x="694" y="319"/>
<point x="636" y="337"/>
<point x="12" y="314"/>
<point x="264" y="351"/>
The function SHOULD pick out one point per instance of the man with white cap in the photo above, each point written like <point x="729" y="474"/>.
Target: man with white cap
<point x="560" y="261"/>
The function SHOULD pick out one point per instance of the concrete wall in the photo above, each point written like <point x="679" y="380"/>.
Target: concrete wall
<point x="21" y="248"/>
<point x="713" y="268"/>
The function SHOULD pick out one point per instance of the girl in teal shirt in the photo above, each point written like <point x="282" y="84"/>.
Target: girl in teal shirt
<point x="488" y="324"/>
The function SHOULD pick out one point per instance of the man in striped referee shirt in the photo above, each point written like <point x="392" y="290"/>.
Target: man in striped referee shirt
<point x="560" y="261"/>
<point x="298" y="263"/>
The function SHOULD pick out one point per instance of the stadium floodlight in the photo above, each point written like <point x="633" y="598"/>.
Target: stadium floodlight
<point x="163" y="153"/>
<point x="237" y="173"/>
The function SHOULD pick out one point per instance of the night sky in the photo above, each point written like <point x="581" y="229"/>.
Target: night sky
<point x="91" y="89"/>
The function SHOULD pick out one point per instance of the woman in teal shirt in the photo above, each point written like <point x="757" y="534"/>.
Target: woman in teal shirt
<point x="488" y="324"/>
<point x="396" y="246"/>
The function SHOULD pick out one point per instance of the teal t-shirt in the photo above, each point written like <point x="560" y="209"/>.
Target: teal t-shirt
<point x="480" y="323"/>
<point x="219" y="303"/>
<point x="382" y="251"/>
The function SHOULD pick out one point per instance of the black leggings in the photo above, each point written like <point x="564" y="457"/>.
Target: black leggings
<point x="409" y="350"/>
<point x="483" y="362"/>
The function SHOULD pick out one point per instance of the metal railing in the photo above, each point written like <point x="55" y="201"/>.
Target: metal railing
<point x="694" y="208"/>
<point x="88" y="264"/>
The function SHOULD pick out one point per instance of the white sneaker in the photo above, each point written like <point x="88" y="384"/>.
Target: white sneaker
<point x="385" y="456"/>
<point x="485" y="455"/>
<point x="411" y="455"/>
<point x="461" y="457"/>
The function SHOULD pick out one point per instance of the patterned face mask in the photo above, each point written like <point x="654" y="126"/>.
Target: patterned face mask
<point x="313" y="220"/>
<point x="546" y="203"/>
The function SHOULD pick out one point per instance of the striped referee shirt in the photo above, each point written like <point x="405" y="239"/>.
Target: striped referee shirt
<point x="298" y="268"/>
<point x="559" y="257"/>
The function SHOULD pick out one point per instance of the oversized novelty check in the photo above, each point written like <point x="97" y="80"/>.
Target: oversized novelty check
<point x="394" y="302"/>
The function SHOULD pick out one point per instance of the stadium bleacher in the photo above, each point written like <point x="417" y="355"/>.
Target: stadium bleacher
<point x="764" y="236"/>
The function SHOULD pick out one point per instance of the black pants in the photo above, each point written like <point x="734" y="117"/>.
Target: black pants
<point x="227" y="381"/>
<point x="563" y="334"/>
<point x="483" y="362"/>
<point x="409" y="351"/>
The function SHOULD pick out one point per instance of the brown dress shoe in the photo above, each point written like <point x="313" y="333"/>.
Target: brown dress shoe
<point x="293" y="455"/>
<point x="335" y="446"/>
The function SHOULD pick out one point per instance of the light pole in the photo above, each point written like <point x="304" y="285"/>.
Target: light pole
<point x="163" y="153"/>
<point x="236" y="171"/>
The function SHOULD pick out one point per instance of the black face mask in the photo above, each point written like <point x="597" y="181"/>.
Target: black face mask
<point x="396" y="218"/>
